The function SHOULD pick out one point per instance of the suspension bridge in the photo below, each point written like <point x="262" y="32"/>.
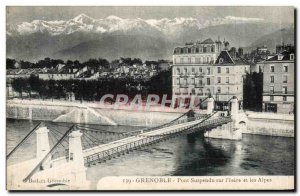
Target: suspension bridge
<point x="65" y="151"/>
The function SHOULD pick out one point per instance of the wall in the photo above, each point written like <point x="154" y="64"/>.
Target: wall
<point x="270" y="124"/>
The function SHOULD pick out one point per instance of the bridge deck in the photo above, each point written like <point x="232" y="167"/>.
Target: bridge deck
<point x="107" y="151"/>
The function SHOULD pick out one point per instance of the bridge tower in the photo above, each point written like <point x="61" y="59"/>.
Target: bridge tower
<point x="210" y="105"/>
<point x="76" y="159"/>
<point x="234" y="129"/>
<point x="234" y="111"/>
<point x="42" y="142"/>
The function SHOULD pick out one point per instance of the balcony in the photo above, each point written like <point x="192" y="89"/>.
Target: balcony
<point x="199" y="85"/>
<point x="199" y="74"/>
<point x="183" y="85"/>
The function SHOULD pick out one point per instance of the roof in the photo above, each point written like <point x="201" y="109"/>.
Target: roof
<point x="227" y="59"/>
<point x="224" y="58"/>
<point x="285" y="54"/>
<point x="207" y="41"/>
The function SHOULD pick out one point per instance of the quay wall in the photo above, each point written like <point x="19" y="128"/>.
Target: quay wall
<point x="270" y="124"/>
<point x="49" y="111"/>
<point x="258" y="123"/>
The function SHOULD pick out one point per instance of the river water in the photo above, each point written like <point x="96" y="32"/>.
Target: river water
<point x="184" y="155"/>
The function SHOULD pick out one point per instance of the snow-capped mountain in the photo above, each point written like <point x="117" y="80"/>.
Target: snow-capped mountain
<point x="84" y="37"/>
<point x="84" y="23"/>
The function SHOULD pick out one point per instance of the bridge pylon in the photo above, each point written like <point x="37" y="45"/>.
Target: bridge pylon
<point x="210" y="105"/>
<point x="232" y="130"/>
<point x="76" y="159"/>
<point x="234" y="111"/>
<point x="42" y="142"/>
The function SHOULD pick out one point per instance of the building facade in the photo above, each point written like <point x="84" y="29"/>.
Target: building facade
<point x="278" y="83"/>
<point x="207" y="69"/>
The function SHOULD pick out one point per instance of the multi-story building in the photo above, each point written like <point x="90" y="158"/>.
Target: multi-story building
<point x="55" y="74"/>
<point x="208" y="69"/>
<point x="278" y="83"/>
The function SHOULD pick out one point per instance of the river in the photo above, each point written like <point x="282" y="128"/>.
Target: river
<point x="184" y="155"/>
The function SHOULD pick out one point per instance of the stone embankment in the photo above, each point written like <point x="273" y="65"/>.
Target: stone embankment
<point x="93" y="113"/>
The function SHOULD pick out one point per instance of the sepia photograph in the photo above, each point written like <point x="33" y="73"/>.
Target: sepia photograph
<point x="150" y="98"/>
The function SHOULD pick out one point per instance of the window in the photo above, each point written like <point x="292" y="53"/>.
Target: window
<point x="207" y="92"/>
<point x="71" y="156"/>
<point x="181" y="60"/>
<point x="271" y="98"/>
<point x="227" y="69"/>
<point x="208" y="71"/>
<point x="185" y="70"/>
<point x="193" y="91"/>
<point x="200" y="69"/>
<point x="193" y="70"/>
<point x="178" y="81"/>
<point x="227" y="80"/>
<point x="208" y="59"/>
<point x="285" y="68"/>
<point x="208" y="81"/>
<point x="193" y="80"/>
<point x="178" y="70"/>
<point x="272" y="79"/>
<point x="200" y="92"/>
<point x="285" y="79"/>
<point x="189" y="60"/>
<point x="221" y="60"/>
<point x="284" y="90"/>
<point x="219" y="90"/>
<point x="200" y="82"/>
<point x="272" y="68"/>
<point x="219" y="69"/>
<point x="284" y="98"/>
<point x="292" y="57"/>
<point x="185" y="81"/>
<point x="219" y="80"/>
<point x="271" y="89"/>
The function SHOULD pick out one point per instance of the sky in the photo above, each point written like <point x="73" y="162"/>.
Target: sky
<point x="16" y="15"/>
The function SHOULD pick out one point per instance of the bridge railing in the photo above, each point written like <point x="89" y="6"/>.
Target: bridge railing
<point x="144" y="140"/>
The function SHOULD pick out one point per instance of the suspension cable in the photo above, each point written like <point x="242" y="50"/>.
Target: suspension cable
<point x="48" y="154"/>
<point x="23" y="140"/>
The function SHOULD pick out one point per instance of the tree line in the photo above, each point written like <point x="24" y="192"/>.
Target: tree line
<point x="93" y="90"/>
<point x="253" y="90"/>
<point x="93" y="63"/>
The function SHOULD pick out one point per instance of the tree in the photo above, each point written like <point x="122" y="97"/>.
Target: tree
<point x="18" y="85"/>
<point x="34" y="84"/>
<point x="137" y="61"/>
<point x="26" y="64"/>
<point x="253" y="89"/>
<point x="10" y="63"/>
<point x="103" y="63"/>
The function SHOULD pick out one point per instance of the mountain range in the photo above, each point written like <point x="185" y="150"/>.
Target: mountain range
<point x="112" y="37"/>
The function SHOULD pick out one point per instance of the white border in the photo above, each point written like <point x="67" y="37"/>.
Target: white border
<point x="5" y="3"/>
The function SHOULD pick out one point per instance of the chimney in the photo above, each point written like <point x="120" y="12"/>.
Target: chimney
<point x="240" y="52"/>
<point x="233" y="52"/>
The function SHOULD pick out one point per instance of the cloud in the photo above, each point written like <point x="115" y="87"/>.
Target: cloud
<point x="243" y="19"/>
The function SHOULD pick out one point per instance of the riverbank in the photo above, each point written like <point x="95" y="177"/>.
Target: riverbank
<point x="94" y="113"/>
<point x="270" y="124"/>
